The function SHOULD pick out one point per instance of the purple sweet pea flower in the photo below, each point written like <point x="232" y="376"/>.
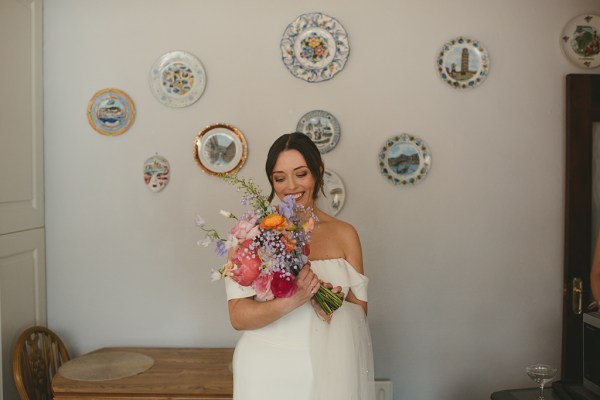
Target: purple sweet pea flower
<point x="287" y="207"/>
<point x="220" y="248"/>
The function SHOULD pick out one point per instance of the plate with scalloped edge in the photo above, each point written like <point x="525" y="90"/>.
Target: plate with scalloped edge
<point x="580" y="41"/>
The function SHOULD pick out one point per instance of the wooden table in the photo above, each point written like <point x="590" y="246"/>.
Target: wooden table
<point x="177" y="373"/>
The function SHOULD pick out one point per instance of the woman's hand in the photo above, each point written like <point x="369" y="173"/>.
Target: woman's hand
<point x="320" y="313"/>
<point x="307" y="284"/>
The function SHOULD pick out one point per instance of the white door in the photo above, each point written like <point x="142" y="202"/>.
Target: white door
<point x="22" y="253"/>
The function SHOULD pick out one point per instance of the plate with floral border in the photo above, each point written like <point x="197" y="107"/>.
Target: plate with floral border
<point x="322" y="128"/>
<point x="177" y="79"/>
<point x="315" y="47"/>
<point x="404" y="159"/>
<point x="463" y="63"/>
<point x="335" y="192"/>
<point x="580" y="40"/>
<point x="110" y="112"/>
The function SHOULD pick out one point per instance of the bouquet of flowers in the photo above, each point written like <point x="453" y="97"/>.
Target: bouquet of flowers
<point x="267" y="246"/>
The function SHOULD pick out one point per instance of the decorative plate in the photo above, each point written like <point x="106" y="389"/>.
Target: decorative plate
<point x="404" y="160"/>
<point x="177" y="79"/>
<point x="220" y="149"/>
<point x="322" y="128"/>
<point x="314" y="47"/>
<point x="580" y="40"/>
<point x="110" y="112"/>
<point x="335" y="192"/>
<point x="157" y="173"/>
<point x="463" y="63"/>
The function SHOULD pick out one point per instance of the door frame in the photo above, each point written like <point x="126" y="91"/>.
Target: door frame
<point x="582" y="110"/>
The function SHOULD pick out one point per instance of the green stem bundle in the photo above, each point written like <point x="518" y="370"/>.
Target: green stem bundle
<point x="328" y="300"/>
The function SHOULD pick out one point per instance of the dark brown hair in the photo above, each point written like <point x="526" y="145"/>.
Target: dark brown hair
<point x="305" y="146"/>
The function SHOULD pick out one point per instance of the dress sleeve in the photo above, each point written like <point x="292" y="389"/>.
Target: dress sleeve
<point x="339" y="272"/>
<point x="358" y="284"/>
<point x="236" y="291"/>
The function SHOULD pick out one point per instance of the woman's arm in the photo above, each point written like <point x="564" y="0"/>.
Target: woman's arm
<point x="247" y="314"/>
<point x="595" y="273"/>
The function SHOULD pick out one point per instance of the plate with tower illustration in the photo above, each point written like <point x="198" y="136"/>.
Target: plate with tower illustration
<point x="463" y="63"/>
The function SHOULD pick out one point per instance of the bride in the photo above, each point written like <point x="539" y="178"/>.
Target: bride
<point x="290" y="348"/>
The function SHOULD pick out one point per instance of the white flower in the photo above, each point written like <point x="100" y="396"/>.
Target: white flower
<point x="215" y="275"/>
<point x="231" y="242"/>
<point x="199" y="221"/>
<point x="205" y="242"/>
<point x="226" y="214"/>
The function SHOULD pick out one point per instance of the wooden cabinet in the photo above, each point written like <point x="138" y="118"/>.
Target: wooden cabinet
<point x="22" y="248"/>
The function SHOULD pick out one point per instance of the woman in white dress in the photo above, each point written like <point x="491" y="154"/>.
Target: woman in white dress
<point x="290" y="348"/>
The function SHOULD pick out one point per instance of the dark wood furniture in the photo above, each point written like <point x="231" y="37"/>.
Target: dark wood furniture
<point x="557" y="391"/>
<point x="177" y="373"/>
<point x="582" y="111"/>
<point x="524" y="394"/>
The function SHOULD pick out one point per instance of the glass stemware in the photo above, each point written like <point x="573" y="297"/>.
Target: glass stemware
<point x="541" y="374"/>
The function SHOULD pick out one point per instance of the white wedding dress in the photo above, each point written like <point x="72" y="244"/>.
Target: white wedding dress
<point x="301" y="357"/>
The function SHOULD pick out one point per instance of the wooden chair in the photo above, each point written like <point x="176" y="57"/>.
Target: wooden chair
<point x="37" y="355"/>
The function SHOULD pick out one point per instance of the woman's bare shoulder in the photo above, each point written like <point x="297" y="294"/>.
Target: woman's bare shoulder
<point x="347" y="240"/>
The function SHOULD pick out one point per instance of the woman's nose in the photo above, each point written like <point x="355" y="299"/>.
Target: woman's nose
<point x="291" y="183"/>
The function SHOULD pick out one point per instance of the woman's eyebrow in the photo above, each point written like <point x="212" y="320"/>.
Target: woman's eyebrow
<point x="281" y="172"/>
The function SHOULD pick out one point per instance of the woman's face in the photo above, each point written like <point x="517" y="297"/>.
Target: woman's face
<point x="291" y="176"/>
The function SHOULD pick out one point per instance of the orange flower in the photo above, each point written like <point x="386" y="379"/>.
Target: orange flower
<point x="309" y="225"/>
<point x="273" y="221"/>
<point x="290" y="244"/>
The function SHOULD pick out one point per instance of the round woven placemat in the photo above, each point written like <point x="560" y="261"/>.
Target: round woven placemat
<point x="106" y="366"/>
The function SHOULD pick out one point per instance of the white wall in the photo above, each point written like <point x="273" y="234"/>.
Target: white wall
<point x="465" y="267"/>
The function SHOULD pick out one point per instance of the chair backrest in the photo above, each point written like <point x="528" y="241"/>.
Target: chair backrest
<point x="37" y="355"/>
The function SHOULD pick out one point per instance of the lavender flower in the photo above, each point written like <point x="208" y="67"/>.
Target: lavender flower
<point x="220" y="248"/>
<point x="287" y="207"/>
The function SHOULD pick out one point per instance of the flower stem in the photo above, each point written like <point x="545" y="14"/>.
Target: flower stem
<point x="328" y="300"/>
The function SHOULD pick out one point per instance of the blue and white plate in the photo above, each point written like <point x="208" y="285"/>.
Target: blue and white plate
<point x="315" y="47"/>
<point x="463" y="63"/>
<point x="110" y="112"/>
<point x="335" y="193"/>
<point x="322" y="128"/>
<point x="177" y="79"/>
<point x="404" y="159"/>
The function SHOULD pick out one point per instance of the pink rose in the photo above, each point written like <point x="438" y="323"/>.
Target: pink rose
<point x="262" y="286"/>
<point x="247" y="264"/>
<point x="245" y="228"/>
<point x="283" y="284"/>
